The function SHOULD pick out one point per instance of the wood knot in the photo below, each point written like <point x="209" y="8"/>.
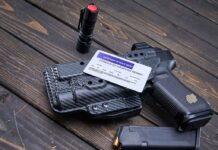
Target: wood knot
<point x="37" y="26"/>
<point x="6" y="6"/>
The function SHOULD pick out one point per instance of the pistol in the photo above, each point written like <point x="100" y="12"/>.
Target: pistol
<point x="188" y="109"/>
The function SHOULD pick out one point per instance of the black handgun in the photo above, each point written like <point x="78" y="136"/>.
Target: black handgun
<point x="189" y="110"/>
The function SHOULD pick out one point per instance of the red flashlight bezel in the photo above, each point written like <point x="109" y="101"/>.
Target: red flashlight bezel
<point x="93" y="8"/>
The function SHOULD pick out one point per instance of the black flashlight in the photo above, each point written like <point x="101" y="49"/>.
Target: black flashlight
<point x="88" y="18"/>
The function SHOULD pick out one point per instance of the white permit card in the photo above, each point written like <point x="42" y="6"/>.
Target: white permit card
<point x="118" y="70"/>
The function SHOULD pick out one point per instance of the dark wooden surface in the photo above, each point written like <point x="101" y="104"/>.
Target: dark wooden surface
<point x="22" y="126"/>
<point x="35" y="33"/>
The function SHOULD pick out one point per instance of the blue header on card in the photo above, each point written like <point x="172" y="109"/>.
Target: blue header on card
<point x="115" y="60"/>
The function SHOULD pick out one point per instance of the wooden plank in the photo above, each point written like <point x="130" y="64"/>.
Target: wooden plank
<point x="206" y="8"/>
<point x="192" y="76"/>
<point x="21" y="66"/>
<point x="142" y="20"/>
<point x="23" y="127"/>
<point x="184" y="18"/>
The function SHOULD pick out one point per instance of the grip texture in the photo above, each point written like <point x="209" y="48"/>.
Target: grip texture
<point x="180" y="101"/>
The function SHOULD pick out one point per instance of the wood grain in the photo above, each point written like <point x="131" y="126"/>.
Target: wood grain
<point x="23" y="127"/>
<point x="145" y="22"/>
<point x="209" y="135"/>
<point x="206" y="8"/>
<point x="186" y="19"/>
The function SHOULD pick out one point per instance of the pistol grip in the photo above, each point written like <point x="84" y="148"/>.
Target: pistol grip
<point x="190" y="110"/>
